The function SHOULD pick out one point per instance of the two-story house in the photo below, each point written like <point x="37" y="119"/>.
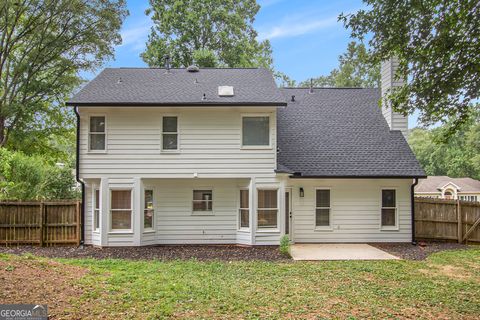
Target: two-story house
<point x="223" y="156"/>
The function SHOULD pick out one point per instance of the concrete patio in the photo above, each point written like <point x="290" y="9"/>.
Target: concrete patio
<point x="331" y="251"/>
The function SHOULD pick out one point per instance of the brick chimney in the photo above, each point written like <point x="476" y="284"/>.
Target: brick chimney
<point x="395" y="120"/>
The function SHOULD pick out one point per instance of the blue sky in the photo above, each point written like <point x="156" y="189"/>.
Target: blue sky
<point x="305" y="35"/>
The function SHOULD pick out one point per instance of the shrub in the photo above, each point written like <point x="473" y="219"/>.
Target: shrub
<point x="24" y="177"/>
<point x="285" y="245"/>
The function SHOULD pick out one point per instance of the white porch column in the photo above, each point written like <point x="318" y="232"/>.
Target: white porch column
<point x="252" y="205"/>
<point x="137" y="211"/>
<point x="105" y="211"/>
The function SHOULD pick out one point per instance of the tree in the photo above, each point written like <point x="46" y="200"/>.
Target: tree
<point x="205" y="58"/>
<point x="455" y="155"/>
<point x="437" y="44"/>
<point x="192" y="30"/>
<point x="44" y="44"/>
<point x="354" y="70"/>
<point x="33" y="177"/>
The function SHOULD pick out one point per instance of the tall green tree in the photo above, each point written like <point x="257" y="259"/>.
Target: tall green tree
<point x="44" y="45"/>
<point x="219" y="30"/>
<point x="354" y="70"/>
<point x="455" y="155"/>
<point x="437" y="44"/>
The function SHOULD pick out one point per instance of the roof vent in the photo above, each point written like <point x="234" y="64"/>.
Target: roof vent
<point x="193" y="68"/>
<point x="311" y="85"/>
<point x="167" y="63"/>
<point x="204" y="97"/>
<point x="293" y="98"/>
<point x="225" y="91"/>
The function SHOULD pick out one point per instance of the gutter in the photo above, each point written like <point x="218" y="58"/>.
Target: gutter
<point x="77" y="174"/>
<point x="299" y="176"/>
<point x="412" y="201"/>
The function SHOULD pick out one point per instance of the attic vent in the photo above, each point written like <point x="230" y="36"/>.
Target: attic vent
<point x="225" y="91"/>
<point x="193" y="69"/>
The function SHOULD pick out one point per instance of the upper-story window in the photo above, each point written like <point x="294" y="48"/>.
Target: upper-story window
<point x="97" y="134"/>
<point x="170" y="133"/>
<point x="256" y="131"/>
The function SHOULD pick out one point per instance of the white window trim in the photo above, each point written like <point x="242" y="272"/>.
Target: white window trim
<point x="264" y="229"/>
<point x="112" y="231"/>
<point x="396" y="226"/>
<point x="203" y="213"/>
<point x="330" y="225"/>
<point x="246" y="115"/>
<point x="153" y="228"/>
<point x="89" y="133"/>
<point x="177" y="133"/>
<point x="94" y="189"/>
<point x="239" y="227"/>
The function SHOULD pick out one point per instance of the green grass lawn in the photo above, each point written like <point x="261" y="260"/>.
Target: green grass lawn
<point x="446" y="285"/>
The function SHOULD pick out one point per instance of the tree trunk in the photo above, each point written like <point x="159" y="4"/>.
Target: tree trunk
<point x="3" y="136"/>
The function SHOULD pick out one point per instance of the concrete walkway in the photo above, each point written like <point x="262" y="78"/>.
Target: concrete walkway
<point x="332" y="251"/>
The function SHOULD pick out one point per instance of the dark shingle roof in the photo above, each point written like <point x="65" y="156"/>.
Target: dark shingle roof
<point x="337" y="132"/>
<point x="144" y="86"/>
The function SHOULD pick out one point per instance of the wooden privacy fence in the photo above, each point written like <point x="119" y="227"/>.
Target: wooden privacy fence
<point x="447" y="220"/>
<point x="40" y="222"/>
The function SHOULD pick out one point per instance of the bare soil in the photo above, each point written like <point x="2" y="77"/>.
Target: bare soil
<point x="33" y="281"/>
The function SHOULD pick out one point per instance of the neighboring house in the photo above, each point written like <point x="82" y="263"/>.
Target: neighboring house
<point x="223" y="156"/>
<point x="444" y="187"/>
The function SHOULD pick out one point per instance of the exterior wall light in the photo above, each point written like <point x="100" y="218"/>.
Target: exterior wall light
<point x="302" y="192"/>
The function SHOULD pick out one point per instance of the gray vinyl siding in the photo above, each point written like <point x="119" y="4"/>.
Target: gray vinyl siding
<point x="210" y="144"/>
<point x="355" y="211"/>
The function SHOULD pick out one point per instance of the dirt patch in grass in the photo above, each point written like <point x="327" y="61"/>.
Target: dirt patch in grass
<point x="40" y="281"/>
<point x="417" y="252"/>
<point x="450" y="271"/>
<point x="163" y="253"/>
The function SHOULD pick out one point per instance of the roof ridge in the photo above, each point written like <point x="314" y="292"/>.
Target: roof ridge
<point x="212" y="68"/>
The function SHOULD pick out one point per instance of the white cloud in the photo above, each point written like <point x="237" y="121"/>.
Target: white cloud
<point x="297" y="28"/>
<point x="136" y="36"/>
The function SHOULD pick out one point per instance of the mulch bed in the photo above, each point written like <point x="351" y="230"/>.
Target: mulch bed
<point x="215" y="252"/>
<point x="163" y="253"/>
<point x="420" y="251"/>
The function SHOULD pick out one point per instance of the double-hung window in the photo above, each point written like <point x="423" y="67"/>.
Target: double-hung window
<point x="244" y="209"/>
<point x="170" y="133"/>
<point x="389" y="208"/>
<point x="267" y="209"/>
<point x="255" y="131"/>
<point x="148" y="210"/>
<point x="97" y="134"/>
<point x="121" y="209"/>
<point x="322" y="208"/>
<point x="96" y="209"/>
<point x="203" y="201"/>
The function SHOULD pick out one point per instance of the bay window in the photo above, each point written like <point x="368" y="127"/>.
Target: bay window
<point x="267" y="209"/>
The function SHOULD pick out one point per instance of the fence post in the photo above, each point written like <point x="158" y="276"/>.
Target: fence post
<point x="459" y="222"/>
<point x="41" y="223"/>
